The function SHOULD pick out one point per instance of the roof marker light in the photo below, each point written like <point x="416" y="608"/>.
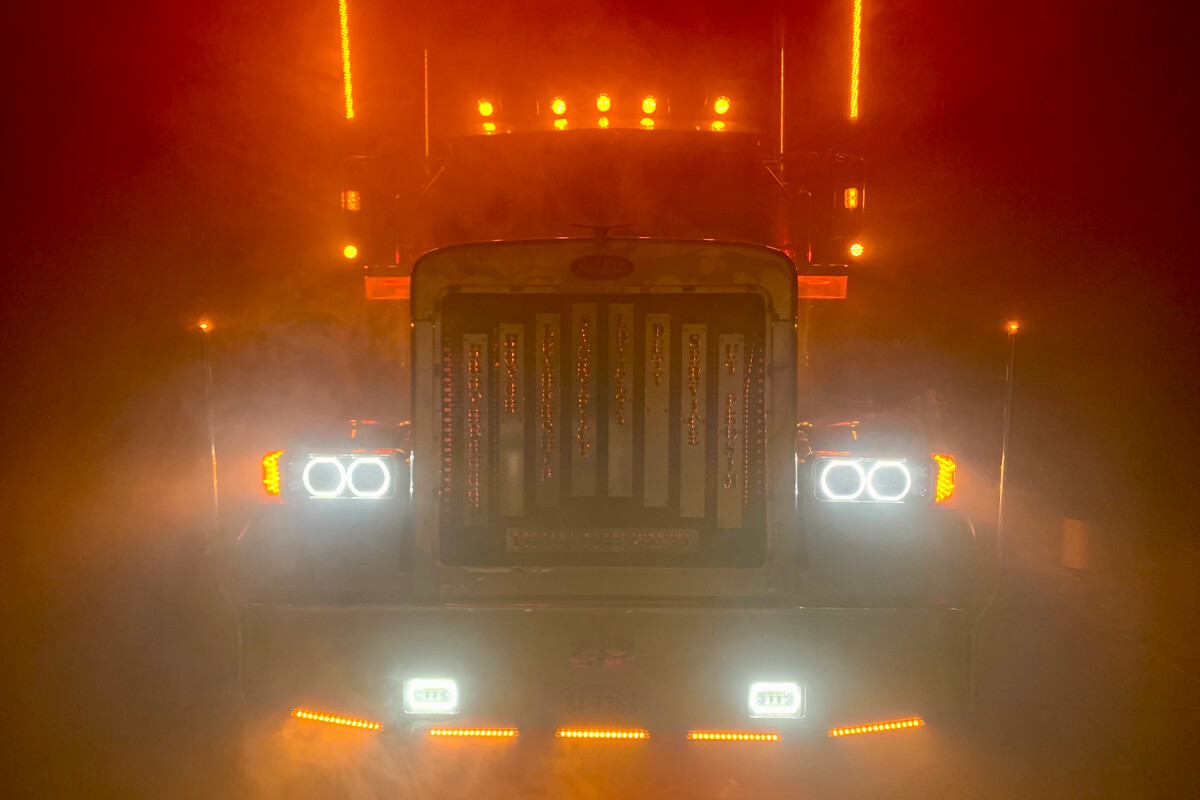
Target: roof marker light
<point x="603" y="103"/>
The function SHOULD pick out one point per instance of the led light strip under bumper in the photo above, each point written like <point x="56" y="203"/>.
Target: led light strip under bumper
<point x="348" y="722"/>
<point x="878" y="727"/>
<point x="573" y="733"/>
<point x="730" y="736"/>
<point x="473" y="733"/>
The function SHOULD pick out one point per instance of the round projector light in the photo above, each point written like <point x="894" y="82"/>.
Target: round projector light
<point x="889" y="481"/>
<point x="324" y="476"/>
<point x="374" y="481"/>
<point x="842" y="479"/>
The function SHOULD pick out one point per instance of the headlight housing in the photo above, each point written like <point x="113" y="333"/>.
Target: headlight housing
<point x="362" y="475"/>
<point x="855" y="479"/>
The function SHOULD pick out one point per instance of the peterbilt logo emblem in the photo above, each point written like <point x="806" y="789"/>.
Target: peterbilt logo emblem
<point x="601" y="267"/>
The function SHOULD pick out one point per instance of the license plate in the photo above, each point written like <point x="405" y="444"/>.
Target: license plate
<point x="602" y="703"/>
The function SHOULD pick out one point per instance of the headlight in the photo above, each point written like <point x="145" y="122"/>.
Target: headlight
<point x="349" y="477"/>
<point x="870" y="480"/>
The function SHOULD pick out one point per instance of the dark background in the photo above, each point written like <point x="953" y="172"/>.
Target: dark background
<point x="169" y="160"/>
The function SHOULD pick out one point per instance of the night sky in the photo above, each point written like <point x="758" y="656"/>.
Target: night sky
<point x="167" y="161"/>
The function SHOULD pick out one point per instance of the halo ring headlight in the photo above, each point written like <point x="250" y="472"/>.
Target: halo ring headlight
<point x="838" y="463"/>
<point x="381" y="465"/>
<point x="884" y="497"/>
<point x="315" y="461"/>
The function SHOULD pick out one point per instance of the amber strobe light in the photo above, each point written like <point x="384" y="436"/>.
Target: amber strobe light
<point x="603" y="103"/>
<point x="270" y="466"/>
<point x="350" y="251"/>
<point x="721" y="105"/>
<point x="347" y="83"/>
<point x="576" y="733"/>
<point x="731" y="736"/>
<point x="856" y="249"/>
<point x="473" y="733"/>
<point x="348" y="722"/>
<point x="649" y="104"/>
<point x="558" y="106"/>
<point x="855" y="45"/>
<point x="946" y="467"/>
<point x="486" y="107"/>
<point x="879" y="727"/>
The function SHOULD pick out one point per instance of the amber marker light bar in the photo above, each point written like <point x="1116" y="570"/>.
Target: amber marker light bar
<point x="878" y="727"/>
<point x="730" y="736"/>
<point x="573" y="733"/>
<point x="347" y="82"/>
<point x="270" y="472"/>
<point x="473" y="733"/>
<point x="347" y="722"/>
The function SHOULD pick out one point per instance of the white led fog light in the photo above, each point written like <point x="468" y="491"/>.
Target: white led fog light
<point x="776" y="700"/>
<point x="430" y="696"/>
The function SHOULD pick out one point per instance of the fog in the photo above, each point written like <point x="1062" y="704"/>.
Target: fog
<point x="171" y="162"/>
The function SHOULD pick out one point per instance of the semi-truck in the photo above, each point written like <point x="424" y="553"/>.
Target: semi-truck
<point x="611" y="510"/>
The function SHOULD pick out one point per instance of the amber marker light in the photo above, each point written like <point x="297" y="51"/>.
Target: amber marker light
<point x="730" y="736"/>
<point x="486" y="107"/>
<point x="856" y="249"/>
<point x="473" y="733"/>
<point x="855" y="48"/>
<point x="573" y="733"/>
<point x="205" y="326"/>
<point x="558" y="106"/>
<point x="331" y="719"/>
<point x="721" y="105"/>
<point x="647" y="123"/>
<point x="347" y="83"/>
<point x="602" y="122"/>
<point x="1012" y="326"/>
<point x="270" y="472"/>
<point x="603" y="103"/>
<point x="718" y="126"/>
<point x="350" y="251"/>
<point x="946" y="468"/>
<point x="878" y="727"/>
<point x="649" y="104"/>
<point x="560" y="124"/>
<point x="850" y="197"/>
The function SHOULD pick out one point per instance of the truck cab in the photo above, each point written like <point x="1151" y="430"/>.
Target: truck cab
<point x="608" y="514"/>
